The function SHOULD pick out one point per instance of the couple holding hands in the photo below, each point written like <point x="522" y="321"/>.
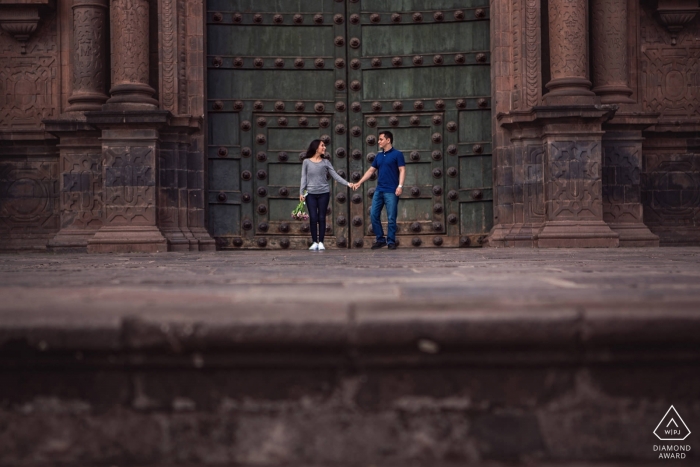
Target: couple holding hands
<point x="391" y="166"/>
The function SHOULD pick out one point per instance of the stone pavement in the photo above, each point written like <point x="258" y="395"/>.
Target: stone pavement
<point x="465" y="279"/>
<point x="348" y="358"/>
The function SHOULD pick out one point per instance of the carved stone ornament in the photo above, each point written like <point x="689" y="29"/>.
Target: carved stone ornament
<point x="568" y="50"/>
<point x="89" y="55"/>
<point x="130" y="60"/>
<point x="674" y="14"/>
<point x="20" y="21"/>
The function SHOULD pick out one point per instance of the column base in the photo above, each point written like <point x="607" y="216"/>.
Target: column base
<point x="577" y="234"/>
<point x="514" y="236"/>
<point x="635" y="235"/>
<point x="131" y="96"/>
<point x="127" y="239"/>
<point x="676" y="235"/>
<point x="177" y="241"/>
<point x="70" y="241"/>
<point x="193" y="243"/>
<point x="204" y="240"/>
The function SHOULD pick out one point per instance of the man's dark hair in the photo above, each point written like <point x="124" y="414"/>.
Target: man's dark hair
<point x="388" y="135"/>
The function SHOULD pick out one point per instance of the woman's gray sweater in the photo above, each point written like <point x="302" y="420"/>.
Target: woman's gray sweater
<point x="313" y="177"/>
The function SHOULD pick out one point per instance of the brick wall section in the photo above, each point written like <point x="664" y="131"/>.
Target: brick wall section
<point x="671" y="188"/>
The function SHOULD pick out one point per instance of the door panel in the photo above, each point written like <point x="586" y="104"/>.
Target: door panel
<point x="417" y="66"/>
<point x="276" y="81"/>
<point x="284" y="72"/>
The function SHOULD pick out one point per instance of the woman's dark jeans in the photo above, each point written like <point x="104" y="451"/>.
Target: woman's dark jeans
<point x="317" y="206"/>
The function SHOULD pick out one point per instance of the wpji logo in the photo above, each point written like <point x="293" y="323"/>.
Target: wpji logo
<point x="672" y="428"/>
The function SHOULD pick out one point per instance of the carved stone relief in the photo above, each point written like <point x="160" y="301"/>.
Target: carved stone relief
<point x="534" y="184"/>
<point x="130" y="54"/>
<point x="526" y="53"/>
<point x="81" y="193"/>
<point x="533" y="75"/>
<point x="574" y="180"/>
<point x="29" y="194"/>
<point x="129" y="41"/>
<point x="609" y="50"/>
<point x="170" y="69"/>
<point x="182" y="58"/>
<point x="568" y="37"/>
<point x="29" y="82"/>
<point x="670" y="74"/>
<point x="671" y="192"/>
<point x="130" y="197"/>
<point x="89" y="55"/>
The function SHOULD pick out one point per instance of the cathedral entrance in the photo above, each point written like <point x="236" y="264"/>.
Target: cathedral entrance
<point x="284" y="72"/>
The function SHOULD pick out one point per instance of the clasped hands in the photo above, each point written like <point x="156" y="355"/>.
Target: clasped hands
<point x="355" y="186"/>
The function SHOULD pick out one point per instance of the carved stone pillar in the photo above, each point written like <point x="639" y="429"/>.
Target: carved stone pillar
<point x="557" y="178"/>
<point x="89" y="55"/>
<point x="568" y="53"/>
<point x="610" y="60"/>
<point x="130" y="53"/>
<point x="622" y="141"/>
<point x="80" y="180"/>
<point x="130" y="185"/>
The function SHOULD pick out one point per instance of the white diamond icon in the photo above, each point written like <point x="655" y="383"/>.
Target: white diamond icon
<point x="672" y="427"/>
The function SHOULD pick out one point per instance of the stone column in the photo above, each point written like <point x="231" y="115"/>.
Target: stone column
<point x="568" y="53"/>
<point x="130" y="53"/>
<point x="130" y="122"/>
<point x="622" y="141"/>
<point x="89" y="55"/>
<point x="610" y="60"/>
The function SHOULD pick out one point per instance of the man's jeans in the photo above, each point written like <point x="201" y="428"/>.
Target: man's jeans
<point x="392" y="207"/>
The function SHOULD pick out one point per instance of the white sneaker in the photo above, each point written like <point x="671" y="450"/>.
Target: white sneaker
<point x="321" y="247"/>
<point x="314" y="247"/>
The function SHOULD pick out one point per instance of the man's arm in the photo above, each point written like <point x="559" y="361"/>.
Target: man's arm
<point x="402" y="177"/>
<point x="365" y="177"/>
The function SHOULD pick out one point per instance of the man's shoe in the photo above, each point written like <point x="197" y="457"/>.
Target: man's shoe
<point x="378" y="245"/>
<point x="392" y="246"/>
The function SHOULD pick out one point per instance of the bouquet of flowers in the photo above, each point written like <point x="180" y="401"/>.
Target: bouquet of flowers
<point x="299" y="213"/>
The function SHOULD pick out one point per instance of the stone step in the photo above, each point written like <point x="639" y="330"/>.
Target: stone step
<point x="488" y="358"/>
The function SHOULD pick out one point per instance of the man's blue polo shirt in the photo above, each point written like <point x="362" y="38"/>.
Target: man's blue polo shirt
<point x="388" y="163"/>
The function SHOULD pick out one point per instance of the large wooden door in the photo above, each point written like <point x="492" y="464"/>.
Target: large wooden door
<point x="284" y="72"/>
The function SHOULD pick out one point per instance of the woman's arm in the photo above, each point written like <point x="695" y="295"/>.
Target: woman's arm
<point x="335" y="175"/>
<point x="302" y="184"/>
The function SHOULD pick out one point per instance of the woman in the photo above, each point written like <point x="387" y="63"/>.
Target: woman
<point x="314" y="169"/>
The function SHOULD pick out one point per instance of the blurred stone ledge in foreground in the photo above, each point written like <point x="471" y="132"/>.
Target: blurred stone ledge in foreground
<point x="372" y="384"/>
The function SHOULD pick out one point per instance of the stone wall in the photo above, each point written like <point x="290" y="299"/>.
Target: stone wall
<point x="669" y="83"/>
<point x="79" y="73"/>
<point x="30" y="87"/>
<point x="66" y="62"/>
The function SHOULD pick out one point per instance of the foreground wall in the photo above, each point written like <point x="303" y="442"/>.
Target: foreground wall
<point x="556" y="387"/>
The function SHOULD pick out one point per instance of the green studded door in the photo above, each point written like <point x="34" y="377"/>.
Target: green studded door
<point x="284" y="72"/>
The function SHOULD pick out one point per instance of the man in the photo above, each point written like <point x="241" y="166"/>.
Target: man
<point x="392" y="173"/>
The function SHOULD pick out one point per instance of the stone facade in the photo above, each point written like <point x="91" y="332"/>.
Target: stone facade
<point x="94" y="163"/>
